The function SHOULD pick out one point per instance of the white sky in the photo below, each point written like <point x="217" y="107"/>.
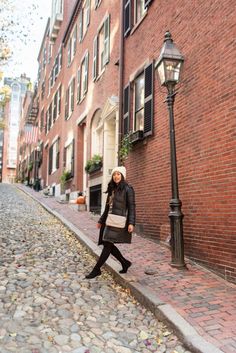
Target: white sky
<point x="31" y="17"/>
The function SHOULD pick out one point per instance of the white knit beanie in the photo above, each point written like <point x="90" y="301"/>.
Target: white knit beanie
<point x="119" y="169"/>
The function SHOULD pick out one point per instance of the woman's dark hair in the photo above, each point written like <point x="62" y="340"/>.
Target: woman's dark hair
<point x="113" y="186"/>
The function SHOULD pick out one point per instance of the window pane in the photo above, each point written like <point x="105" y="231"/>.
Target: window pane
<point x="101" y="49"/>
<point x="139" y="9"/>
<point x="83" y="79"/>
<point x="139" y="92"/>
<point x="68" y="158"/>
<point x="139" y="120"/>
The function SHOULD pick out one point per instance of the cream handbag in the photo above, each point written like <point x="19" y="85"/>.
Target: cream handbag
<point x="114" y="220"/>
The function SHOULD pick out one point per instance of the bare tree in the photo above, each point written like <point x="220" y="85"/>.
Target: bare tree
<point x="16" y="20"/>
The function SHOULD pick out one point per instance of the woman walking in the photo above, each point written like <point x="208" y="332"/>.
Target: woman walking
<point x="121" y="202"/>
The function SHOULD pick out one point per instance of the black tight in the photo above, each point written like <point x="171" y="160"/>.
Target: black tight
<point x="109" y="248"/>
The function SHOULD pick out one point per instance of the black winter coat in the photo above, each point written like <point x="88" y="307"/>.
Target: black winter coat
<point x="123" y="203"/>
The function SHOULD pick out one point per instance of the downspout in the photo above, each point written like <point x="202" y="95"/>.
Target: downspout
<point x="121" y="76"/>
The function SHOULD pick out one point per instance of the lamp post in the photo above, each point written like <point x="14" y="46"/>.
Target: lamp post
<point x="37" y="183"/>
<point x="168" y="67"/>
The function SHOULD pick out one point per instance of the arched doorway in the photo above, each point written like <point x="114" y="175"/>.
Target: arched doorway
<point x="104" y="142"/>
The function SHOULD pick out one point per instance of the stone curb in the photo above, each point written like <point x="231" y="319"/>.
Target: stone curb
<point x="162" y="311"/>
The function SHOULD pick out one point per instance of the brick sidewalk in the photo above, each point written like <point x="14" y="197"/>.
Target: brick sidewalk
<point x="205" y="301"/>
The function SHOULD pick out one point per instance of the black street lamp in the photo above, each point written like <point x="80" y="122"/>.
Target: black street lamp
<point x="37" y="182"/>
<point x="168" y="67"/>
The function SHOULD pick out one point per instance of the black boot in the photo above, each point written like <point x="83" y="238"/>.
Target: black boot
<point x="125" y="265"/>
<point x="94" y="273"/>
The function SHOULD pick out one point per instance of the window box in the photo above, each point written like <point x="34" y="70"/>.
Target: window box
<point x="95" y="168"/>
<point x="93" y="164"/>
<point x="136" y="136"/>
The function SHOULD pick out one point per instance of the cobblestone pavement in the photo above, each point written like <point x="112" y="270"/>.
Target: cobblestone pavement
<point x="200" y="305"/>
<point x="46" y="305"/>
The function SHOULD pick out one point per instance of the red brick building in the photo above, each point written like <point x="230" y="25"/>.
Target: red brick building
<point x="204" y="125"/>
<point x="77" y="58"/>
<point x="97" y="80"/>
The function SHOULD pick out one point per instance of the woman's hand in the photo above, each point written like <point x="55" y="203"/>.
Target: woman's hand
<point x="130" y="228"/>
<point x="99" y="225"/>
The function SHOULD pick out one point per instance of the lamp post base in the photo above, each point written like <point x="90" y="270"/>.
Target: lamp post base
<point x="177" y="242"/>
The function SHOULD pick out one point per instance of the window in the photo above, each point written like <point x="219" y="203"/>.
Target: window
<point x="54" y="157"/>
<point x="96" y="3"/>
<point x="134" y="10"/>
<point x="69" y="103"/>
<point x="97" y="135"/>
<point x="142" y="103"/>
<point x="139" y="102"/>
<point x="41" y="120"/>
<point x="72" y="46"/>
<point x="43" y="90"/>
<point x="84" y="19"/>
<point x="57" y="104"/>
<point x="139" y="10"/>
<point x="55" y="69"/>
<point x="46" y="123"/>
<point x="50" y="117"/>
<point x="60" y="59"/>
<point x="101" y="48"/>
<point x="82" y="78"/>
<point x="55" y="107"/>
<point x="39" y="73"/>
<point x="50" y="114"/>
<point x="69" y="158"/>
<point x="44" y="57"/>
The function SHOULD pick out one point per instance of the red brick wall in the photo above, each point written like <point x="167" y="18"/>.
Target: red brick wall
<point x="205" y="129"/>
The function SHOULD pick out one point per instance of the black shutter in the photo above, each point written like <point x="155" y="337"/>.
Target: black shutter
<point x="50" y="160"/>
<point x="126" y="110"/>
<point x="64" y="157"/>
<point x="58" y="153"/>
<point x="72" y="94"/>
<point x="46" y="123"/>
<point x="127" y="17"/>
<point x="147" y="3"/>
<point x="148" y="100"/>
<point x="67" y="105"/>
<point x="59" y="101"/>
<point x="55" y="107"/>
<point x="73" y="158"/>
<point x="49" y="117"/>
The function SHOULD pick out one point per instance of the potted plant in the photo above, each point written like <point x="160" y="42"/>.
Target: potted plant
<point x="66" y="175"/>
<point x="93" y="164"/>
<point x="125" y="148"/>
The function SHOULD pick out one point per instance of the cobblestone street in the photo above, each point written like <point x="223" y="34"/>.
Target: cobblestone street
<point x="46" y="305"/>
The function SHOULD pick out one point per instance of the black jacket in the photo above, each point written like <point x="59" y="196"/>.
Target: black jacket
<point x="123" y="204"/>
